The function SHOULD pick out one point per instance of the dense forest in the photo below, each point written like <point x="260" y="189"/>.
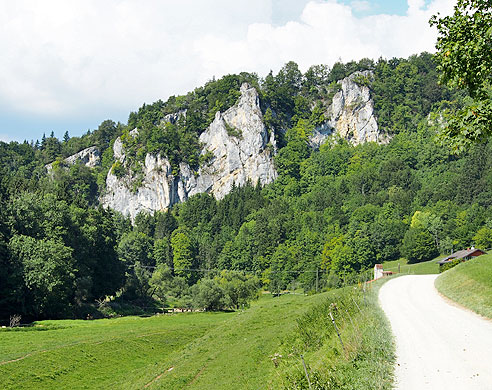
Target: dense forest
<point x="331" y="214"/>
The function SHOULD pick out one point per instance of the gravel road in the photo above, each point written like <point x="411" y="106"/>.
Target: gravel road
<point x="438" y="345"/>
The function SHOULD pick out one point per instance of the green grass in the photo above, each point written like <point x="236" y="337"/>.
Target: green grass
<point x="424" y="268"/>
<point x="205" y="350"/>
<point x="209" y="350"/>
<point x="470" y="284"/>
<point x="365" y="361"/>
<point x="96" y="354"/>
<point x="237" y="354"/>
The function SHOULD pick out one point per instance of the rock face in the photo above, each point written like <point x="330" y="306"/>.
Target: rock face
<point x="351" y="114"/>
<point x="90" y="157"/>
<point x="157" y="192"/>
<point x="241" y="149"/>
<point x="238" y="140"/>
<point x="238" y="143"/>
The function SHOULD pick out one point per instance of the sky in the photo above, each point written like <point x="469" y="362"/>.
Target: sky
<point x="69" y="65"/>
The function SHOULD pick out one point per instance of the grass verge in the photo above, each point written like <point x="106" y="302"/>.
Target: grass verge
<point x="366" y="359"/>
<point x="469" y="284"/>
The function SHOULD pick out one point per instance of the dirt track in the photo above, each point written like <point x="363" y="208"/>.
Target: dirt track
<point x="438" y="345"/>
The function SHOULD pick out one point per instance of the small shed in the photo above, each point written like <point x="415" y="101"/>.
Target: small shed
<point x="463" y="255"/>
<point x="378" y="271"/>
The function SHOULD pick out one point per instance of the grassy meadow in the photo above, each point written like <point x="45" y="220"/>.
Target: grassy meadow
<point x="424" y="268"/>
<point x="198" y="350"/>
<point x="110" y="353"/>
<point x="259" y="347"/>
<point x="470" y="284"/>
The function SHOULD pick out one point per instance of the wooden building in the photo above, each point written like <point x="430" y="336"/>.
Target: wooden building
<point x="463" y="255"/>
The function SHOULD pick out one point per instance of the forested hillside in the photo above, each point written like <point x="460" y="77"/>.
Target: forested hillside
<point x="331" y="213"/>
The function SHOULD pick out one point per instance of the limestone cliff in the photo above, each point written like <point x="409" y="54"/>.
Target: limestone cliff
<point x="241" y="149"/>
<point x="351" y="114"/>
<point x="239" y="145"/>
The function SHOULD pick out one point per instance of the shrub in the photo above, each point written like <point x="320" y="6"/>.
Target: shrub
<point x="208" y="295"/>
<point x="449" y="265"/>
<point x="118" y="169"/>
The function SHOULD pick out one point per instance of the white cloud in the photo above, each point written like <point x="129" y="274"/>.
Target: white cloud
<point x="326" y="32"/>
<point x="86" y="57"/>
<point x="360" y="5"/>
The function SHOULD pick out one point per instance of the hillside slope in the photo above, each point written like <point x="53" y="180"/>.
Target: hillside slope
<point x="204" y="350"/>
<point x="470" y="284"/>
<point x="238" y="149"/>
<point x="332" y="211"/>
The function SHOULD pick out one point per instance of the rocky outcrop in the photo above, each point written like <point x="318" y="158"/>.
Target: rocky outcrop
<point x="239" y="146"/>
<point x="158" y="189"/>
<point x="90" y="157"/>
<point x="173" y="118"/>
<point x="239" y="142"/>
<point x="351" y="114"/>
<point x="240" y="150"/>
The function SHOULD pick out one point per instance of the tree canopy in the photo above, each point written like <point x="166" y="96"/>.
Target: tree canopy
<point x="464" y="56"/>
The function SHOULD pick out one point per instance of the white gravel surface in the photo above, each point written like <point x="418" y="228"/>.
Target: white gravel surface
<point x="438" y="345"/>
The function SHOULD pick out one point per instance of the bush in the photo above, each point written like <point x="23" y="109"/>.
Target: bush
<point x="229" y="290"/>
<point x="117" y="169"/>
<point x="208" y="295"/>
<point x="449" y="265"/>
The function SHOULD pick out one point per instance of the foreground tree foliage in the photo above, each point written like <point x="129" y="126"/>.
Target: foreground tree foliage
<point x="332" y="212"/>
<point x="465" y="61"/>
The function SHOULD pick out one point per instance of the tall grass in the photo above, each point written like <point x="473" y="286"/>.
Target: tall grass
<point x="365" y="361"/>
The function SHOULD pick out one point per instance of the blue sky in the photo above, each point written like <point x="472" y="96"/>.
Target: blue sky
<point x="67" y="66"/>
<point x="392" y="7"/>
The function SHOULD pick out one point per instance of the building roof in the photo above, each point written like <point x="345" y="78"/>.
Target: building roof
<point x="462" y="254"/>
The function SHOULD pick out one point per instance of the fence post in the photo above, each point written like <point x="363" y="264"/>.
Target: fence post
<point x="364" y="291"/>
<point x="338" y="333"/>
<point x="305" y="371"/>
<point x="317" y="276"/>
